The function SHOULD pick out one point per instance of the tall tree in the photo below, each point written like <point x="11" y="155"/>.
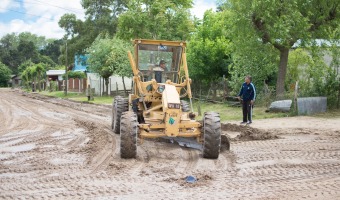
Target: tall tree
<point x="16" y="49"/>
<point x="118" y="59"/>
<point x="98" y="55"/>
<point x="283" y="23"/>
<point x="101" y="18"/>
<point x="52" y="50"/>
<point x="209" y="51"/>
<point x="159" y="19"/>
<point x="39" y="41"/>
<point x="40" y="70"/>
<point x="28" y="51"/>
<point x="104" y="14"/>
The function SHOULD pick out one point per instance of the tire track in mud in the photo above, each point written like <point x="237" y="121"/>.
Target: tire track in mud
<point x="76" y="156"/>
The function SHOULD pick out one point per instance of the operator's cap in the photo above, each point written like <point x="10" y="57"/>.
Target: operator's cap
<point x="162" y="62"/>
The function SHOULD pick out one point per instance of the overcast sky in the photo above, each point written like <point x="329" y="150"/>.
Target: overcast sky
<point x="41" y="16"/>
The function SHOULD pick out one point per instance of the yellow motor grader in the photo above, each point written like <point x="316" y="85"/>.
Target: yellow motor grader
<point x="154" y="109"/>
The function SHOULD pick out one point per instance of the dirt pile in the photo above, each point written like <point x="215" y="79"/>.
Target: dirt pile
<point x="248" y="132"/>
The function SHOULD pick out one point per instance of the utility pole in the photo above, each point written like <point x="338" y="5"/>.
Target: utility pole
<point x="66" y="75"/>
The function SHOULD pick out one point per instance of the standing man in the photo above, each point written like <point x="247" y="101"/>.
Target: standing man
<point x="248" y="94"/>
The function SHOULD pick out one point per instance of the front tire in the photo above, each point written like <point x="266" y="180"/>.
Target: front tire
<point x="212" y="135"/>
<point x="119" y="106"/>
<point x="128" y="135"/>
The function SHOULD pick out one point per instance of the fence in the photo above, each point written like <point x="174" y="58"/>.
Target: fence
<point x="116" y="83"/>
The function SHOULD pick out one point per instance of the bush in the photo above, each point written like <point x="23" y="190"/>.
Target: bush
<point x="73" y="74"/>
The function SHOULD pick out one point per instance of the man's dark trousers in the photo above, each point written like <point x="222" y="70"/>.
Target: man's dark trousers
<point x="246" y="108"/>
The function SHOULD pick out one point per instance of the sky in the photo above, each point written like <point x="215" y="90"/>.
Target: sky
<point x="41" y="17"/>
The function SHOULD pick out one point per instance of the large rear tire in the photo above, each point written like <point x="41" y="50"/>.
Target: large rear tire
<point x="119" y="106"/>
<point x="128" y="135"/>
<point x="212" y="135"/>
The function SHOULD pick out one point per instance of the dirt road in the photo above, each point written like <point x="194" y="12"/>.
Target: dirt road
<point x="56" y="149"/>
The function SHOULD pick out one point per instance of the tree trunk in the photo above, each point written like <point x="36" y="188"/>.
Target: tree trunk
<point x="338" y="106"/>
<point x="281" y="76"/>
<point x="35" y="84"/>
<point x="106" y="86"/>
<point x="39" y="84"/>
<point x="124" y="86"/>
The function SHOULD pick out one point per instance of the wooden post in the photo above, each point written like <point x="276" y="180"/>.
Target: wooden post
<point x="338" y="106"/>
<point x="116" y="89"/>
<point x="296" y="96"/>
<point x="199" y="109"/>
<point x="110" y="86"/>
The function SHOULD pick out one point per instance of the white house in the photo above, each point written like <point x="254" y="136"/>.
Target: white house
<point x="55" y="75"/>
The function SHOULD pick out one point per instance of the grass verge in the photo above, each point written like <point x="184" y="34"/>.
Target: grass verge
<point x="227" y="113"/>
<point x="79" y="97"/>
<point x="230" y="113"/>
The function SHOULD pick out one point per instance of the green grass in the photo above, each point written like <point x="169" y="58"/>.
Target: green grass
<point x="227" y="112"/>
<point x="230" y="113"/>
<point x="329" y="114"/>
<point x="97" y="99"/>
<point x="79" y="97"/>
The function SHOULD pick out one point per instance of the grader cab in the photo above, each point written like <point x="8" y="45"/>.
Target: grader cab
<point x="155" y="108"/>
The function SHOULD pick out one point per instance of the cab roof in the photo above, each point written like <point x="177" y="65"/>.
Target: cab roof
<point x="160" y="42"/>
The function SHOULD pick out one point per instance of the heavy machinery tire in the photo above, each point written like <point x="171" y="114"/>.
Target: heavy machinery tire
<point x="185" y="106"/>
<point x="128" y="135"/>
<point x="212" y="135"/>
<point x="119" y="106"/>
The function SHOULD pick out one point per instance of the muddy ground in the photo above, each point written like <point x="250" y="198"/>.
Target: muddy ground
<point x="57" y="149"/>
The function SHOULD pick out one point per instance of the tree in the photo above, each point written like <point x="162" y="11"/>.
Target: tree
<point x="27" y="51"/>
<point x="28" y="76"/>
<point x="16" y="49"/>
<point x="39" y="41"/>
<point x="104" y="14"/>
<point x="52" y="50"/>
<point x="283" y="23"/>
<point x="159" y="19"/>
<point x="209" y="51"/>
<point x="101" y="18"/>
<point x="99" y="52"/>
<point x="5" y="75"/>
<point x="24" y="65"/>
<point x="118" y="59"/>
<point x="40" y="70"/>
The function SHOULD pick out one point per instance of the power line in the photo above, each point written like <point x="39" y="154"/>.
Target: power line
<point x="25" y="13"/>
<point x="69" y="9"/>
<point x="74" y="10"/>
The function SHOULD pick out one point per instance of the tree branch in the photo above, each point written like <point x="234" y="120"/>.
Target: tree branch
<point x="260" y="26"/>
<point x="331" y="16"/>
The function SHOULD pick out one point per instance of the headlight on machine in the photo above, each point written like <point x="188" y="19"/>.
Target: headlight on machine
<point x="174" y="105"/>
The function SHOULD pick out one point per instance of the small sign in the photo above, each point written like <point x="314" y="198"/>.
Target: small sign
<point x="162" y="48"/>
<point x="171" y="121"/>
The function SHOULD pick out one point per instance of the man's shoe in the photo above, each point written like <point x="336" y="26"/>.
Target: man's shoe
<point x="249" y="122"/>
<point x="243" y="122"/>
